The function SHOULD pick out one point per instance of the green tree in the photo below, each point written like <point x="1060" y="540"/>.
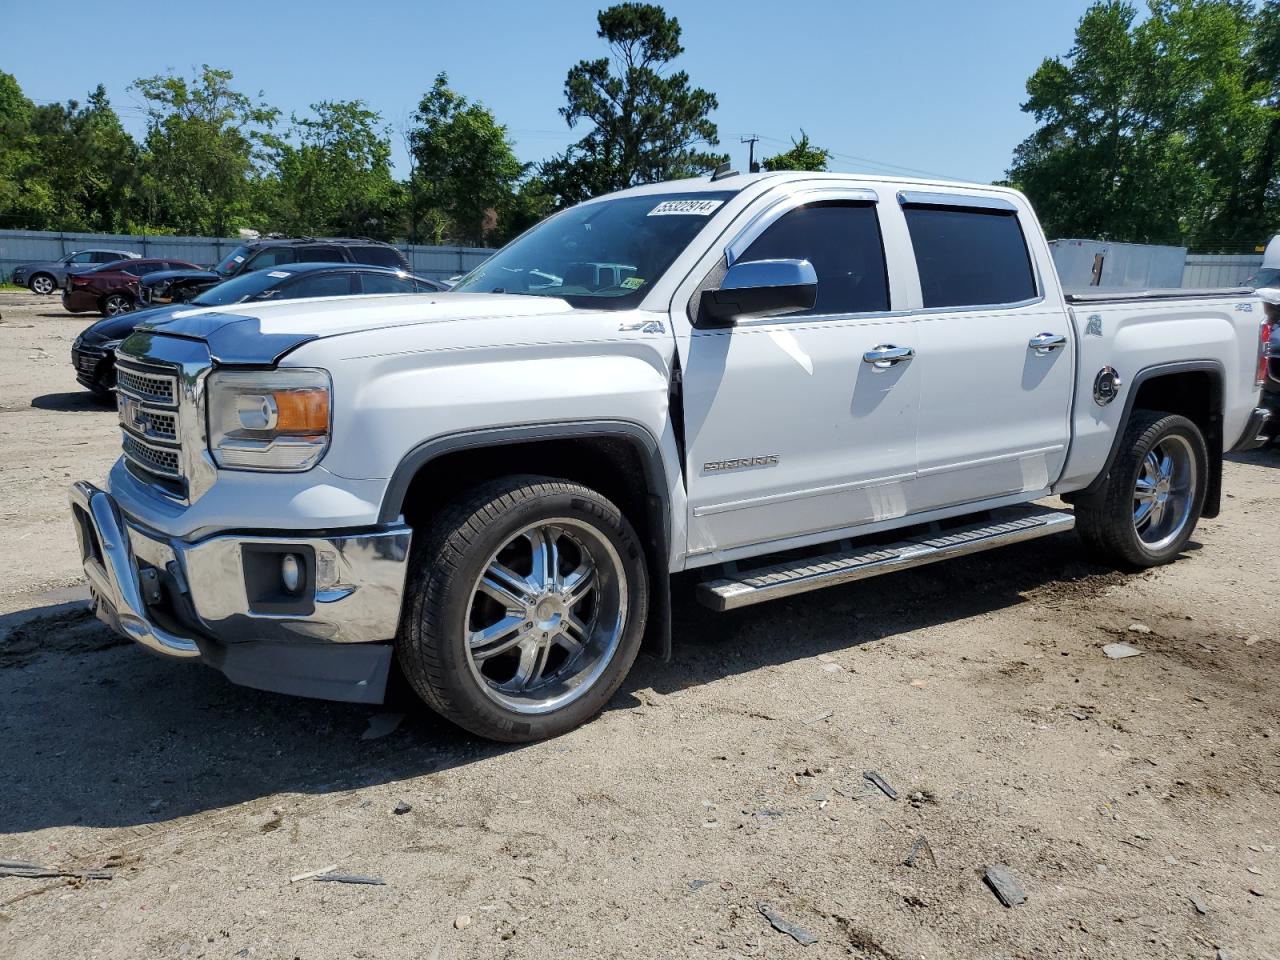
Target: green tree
<point x="26" y="201"/>
<point x="88" y="162"/>
<point x="647" y="124"/>
<point x="802" y="156"/>
<point x="207" y="146"/>
<point x="334" y="174"/>
<point x="1153" y="131"/>
<point x="1251" y="211"/>
<point x="465" y="169"/>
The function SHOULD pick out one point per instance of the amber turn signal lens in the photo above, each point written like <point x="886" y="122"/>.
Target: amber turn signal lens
<point x="302" y="411"/>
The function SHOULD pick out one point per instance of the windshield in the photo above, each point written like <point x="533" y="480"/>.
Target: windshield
<point x="603" y="255"/>
<point x="232" y="262"/>
<point x="1266" y="277"/>
<point x="241" y="288"/>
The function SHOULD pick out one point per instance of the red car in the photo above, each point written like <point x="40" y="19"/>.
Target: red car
<point x="113" y="287"/>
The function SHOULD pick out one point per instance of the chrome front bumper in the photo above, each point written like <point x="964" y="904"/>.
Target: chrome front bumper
<point x="204" y="599"/>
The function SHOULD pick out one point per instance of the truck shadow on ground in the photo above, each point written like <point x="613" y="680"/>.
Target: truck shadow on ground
<point x="1268" y="456"/>
<point x="710" y="646"/>
<point x="95" y="733"/>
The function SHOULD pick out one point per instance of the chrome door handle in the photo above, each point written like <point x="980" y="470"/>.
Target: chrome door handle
<point x="885" y="355"/>
<point x="1045" y="343"/>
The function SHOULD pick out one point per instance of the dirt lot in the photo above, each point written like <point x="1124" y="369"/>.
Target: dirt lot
<point x="1136" y="800"/>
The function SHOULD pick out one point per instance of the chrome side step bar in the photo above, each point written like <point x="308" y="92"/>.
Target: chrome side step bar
<point x="1005" y="526"/>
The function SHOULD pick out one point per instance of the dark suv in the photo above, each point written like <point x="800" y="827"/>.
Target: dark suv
<point x="179" y="286"/>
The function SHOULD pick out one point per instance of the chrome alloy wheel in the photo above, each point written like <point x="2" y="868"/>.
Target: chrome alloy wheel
<point x="43" y="284"/>
<point x="116" y="305"/>
<point x="1164" y="492"/>
<point x="546" y="616"/>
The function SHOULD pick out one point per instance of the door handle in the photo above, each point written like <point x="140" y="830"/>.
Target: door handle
<point x="1045" y="343"/>
<point x="885" y="355"/>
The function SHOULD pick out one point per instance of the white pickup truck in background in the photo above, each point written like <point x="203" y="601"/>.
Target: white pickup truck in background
<point x="781" y="381"/>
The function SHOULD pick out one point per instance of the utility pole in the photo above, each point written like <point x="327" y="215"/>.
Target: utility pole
<point x="752" y="166"/>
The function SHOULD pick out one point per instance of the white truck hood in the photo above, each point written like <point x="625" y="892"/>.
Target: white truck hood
<point x="263" y="332"/>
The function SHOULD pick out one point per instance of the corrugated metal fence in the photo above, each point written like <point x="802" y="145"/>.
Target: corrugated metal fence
<point x="24" y="246"/>
<point x="440" y="263"/>
<point x="1219" y="270"/>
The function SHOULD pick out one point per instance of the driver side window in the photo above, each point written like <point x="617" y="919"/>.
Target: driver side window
<point x="842" y="241"/>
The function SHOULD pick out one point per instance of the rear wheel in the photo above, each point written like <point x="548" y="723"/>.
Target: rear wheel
<point x="1150" y="503"/>
<point x="525" y="608"/>
<point x="42" y="284"/>
<point x="116" y="303"/>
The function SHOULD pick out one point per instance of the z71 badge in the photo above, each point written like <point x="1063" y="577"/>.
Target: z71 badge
<point x="740" y="463"/>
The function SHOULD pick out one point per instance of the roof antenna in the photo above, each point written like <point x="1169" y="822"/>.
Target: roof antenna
<point x="723" y="172"/>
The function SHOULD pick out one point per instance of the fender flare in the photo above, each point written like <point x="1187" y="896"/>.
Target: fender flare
<point x="657" y="503"/>
<point x="1217" y="378"/>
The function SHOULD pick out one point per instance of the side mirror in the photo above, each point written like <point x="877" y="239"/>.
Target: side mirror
<point x="762" y="288"/>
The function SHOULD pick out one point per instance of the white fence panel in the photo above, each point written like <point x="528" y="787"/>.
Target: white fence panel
<point x="1219" y="270"/>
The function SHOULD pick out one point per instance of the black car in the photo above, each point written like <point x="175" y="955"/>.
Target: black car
<point x="93" y="353"/>
<point x="179" y="286"/>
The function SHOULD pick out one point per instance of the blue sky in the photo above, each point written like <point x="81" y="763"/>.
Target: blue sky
<point x="929" y="86"/>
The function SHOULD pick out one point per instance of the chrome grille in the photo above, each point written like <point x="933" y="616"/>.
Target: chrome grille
<point x="164" y="461"/>
<point x="147" y="399"/>
<point x="152" y="424"/>
<point x="151" y="387"/>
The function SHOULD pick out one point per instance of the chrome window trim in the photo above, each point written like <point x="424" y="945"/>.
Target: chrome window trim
<point x="961" y="202"/>
<point x="922" y="198"/>
<point x="816" y="318"/>
<point x="983" y="307"/>
<point x="784" y="204"/>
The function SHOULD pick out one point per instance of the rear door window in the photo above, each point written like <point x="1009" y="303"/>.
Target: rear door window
<point x="377" y="256"/>
<point x="969" y="257"/>
<point x="271" y="257"/>
<point x="842" y="241"/>
<point x="387" y="283"/>
<point x="321" y="254"/>
<point x="318" y="285"/>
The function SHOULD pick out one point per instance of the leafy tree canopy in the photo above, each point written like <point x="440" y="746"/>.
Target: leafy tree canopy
<point x="465" y="167"/>
<point x="802" y="156"/>
<point x="207" y="145"/>
<point x="333" y="174"/>
<point x="647" y="123"/>
<point x="1164" y="130"/>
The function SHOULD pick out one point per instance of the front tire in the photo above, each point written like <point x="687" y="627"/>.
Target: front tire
<point x="1151" y="500"/>
<point x="525" y="608"/>
<point x="43" y="284"/>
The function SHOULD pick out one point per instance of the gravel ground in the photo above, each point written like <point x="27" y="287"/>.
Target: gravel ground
<point x="1136" y="801"/>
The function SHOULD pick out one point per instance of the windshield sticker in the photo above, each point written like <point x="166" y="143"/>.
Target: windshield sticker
<point x="238" y="259"/>
<point x="278" y="274"/>
<point x="695" y="208"/>
<point x="632" y="283"/>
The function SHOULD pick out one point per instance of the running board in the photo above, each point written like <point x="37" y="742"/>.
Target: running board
<point x="1010" y="525"/>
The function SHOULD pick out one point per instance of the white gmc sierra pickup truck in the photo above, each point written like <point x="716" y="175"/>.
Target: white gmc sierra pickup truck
<point x="784" y="381"/>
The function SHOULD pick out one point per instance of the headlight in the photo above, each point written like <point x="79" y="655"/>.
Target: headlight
<point x="268" y="419"/>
